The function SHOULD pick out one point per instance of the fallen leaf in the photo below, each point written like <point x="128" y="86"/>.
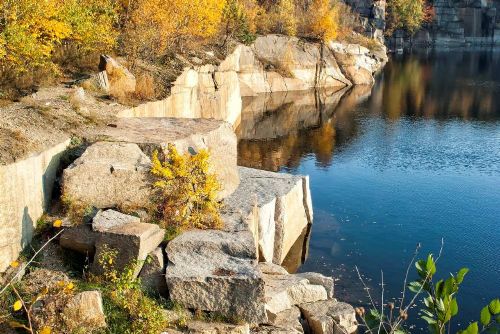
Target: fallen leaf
<point x="14" y="264"/>
<point x="17" y="305"/>
<point x="57" y="223"/>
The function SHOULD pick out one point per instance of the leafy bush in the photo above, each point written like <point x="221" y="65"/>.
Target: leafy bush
<point x="238" y="20"/>
<point x="187" y="191"/>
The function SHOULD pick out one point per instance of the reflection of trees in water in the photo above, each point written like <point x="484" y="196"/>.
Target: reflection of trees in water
<point x="319" y="138"/>
<point x="440" y="86"/>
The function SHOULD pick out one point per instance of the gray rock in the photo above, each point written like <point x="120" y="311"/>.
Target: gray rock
<point x="318" y="279"/>
<point x="106" y="220"/>
<point x="330" y="317"/>
<point x="85" y="310"/>
<point x="289" y="320"/>
<point x="200" y="327"/>
<point x="133" y="241"/>
<point x="216" y="271"/>
<point x="109" y="175"/>
<point x="152" y="274"/>
<point x="188" y="135"/>
<point x="282" y="292"/>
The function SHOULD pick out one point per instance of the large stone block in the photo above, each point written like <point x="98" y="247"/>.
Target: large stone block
<point x="216" y="271"/>
<point x="188" y="135"/>
<point x="275" y="207"/>
<point x="25" y="192"/>
<point x="109" y="175"/>
<point x="133" y="242"/>
<point x="200" y="327"/>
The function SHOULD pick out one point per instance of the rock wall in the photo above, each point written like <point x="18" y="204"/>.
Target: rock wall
<point x="273" y="63"/>
<point x="25" y="193"/>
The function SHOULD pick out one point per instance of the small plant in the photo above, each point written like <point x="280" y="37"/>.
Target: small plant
<point x="187" y="191"/>
<point x="128" y="309"/>
<point x="440" y="303"/>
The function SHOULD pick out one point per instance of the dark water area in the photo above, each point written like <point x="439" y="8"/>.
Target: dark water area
<point x="413" y="159"/>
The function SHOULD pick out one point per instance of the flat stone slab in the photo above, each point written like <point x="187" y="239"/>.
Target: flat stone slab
<point x="191" y="135"/>
<point x="106" y="220"/>
<point x="275" y="207"/>
<point x="329" y="317"/>
<point x="109" y="175"/>
<point x="216" y="271"/>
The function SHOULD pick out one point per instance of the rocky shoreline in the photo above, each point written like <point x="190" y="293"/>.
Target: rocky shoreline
<point x="235" y="271"/>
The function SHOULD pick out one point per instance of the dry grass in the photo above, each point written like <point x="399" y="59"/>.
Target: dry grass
<point x="145" y="87"/>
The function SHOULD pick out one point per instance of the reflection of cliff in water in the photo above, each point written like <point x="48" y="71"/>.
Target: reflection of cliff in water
<point x="278" y="129"/>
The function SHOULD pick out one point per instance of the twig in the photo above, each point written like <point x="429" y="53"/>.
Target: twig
<point x="407" y="273"/>
<point x="29" y="262"/>
<point x="381" y="303"/>
<point x="24" y="306"/>
<point x="366" y="287"/>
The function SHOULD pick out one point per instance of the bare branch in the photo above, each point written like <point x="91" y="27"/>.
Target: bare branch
<point x="29" y="262"/>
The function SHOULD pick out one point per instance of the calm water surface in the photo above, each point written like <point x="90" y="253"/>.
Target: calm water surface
<point x="414" y="159"/>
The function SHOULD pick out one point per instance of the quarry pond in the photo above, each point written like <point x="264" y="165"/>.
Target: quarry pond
<point x="413" y="159"/>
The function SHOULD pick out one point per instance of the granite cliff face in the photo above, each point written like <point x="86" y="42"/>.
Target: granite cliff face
<point x="273" y="63"/>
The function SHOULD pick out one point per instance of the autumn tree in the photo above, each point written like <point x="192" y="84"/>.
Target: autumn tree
<point x="31" y="30"/>
<point x="157" y="25"/>
<point x="323" y="20"/>
<point x="408" y="15"/>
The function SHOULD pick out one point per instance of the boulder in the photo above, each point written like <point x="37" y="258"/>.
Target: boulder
<point x="216" y="271"/>
<point x="109" y="175"/>
<point x="275" y="207"/>
<point x="318" y="279"/>
<point x="80" y="239"/>
<point x="152" y="274"/>
<point x="289" y="320"/>
<point x="329" y="317"/>
<point x="133" y="241"/>
<point x="106" y="220"/>
<point x="282" y="292"/>
<point x="85" y="310"/>
<point x="121" y="81"/>
<point x="200" y="327"/>
<point x="188" y="135"/>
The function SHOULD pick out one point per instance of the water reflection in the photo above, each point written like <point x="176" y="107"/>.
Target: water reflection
<point x="278" y="130"/>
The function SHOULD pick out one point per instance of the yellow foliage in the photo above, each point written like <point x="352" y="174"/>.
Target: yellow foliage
<point x="281" y="18"/>
<point x="33" y="29"/>
<point x="57" y="223"/>
<point x="46" y="330"/>
<point x="187" y="191"/>
<point x="323" y="20"/>
<point x="156" y="25"/>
